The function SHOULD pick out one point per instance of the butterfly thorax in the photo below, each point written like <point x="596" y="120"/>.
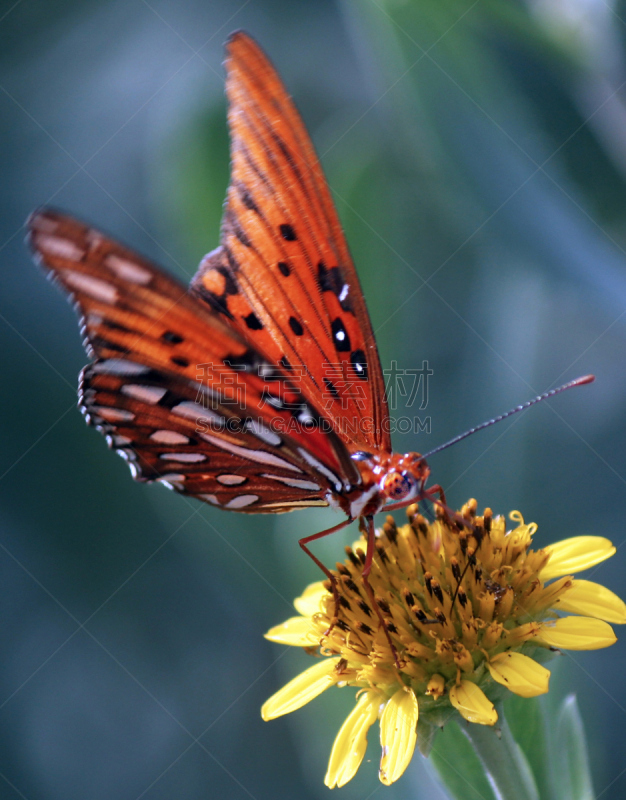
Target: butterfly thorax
<point x="385" y="478"/>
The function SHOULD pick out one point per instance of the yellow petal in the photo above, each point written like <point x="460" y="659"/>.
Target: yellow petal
<point x="593" y="600"/>
<point x="298" y="631"/>
<point x="519" y="673"/>
<point x="309" y="601"/>
<point x="471" y="703"/>
<point x="303" y="688"/>
<point x="398" y="734"/>
<point x="577" y="633"/>
<point x="351" y="742"/>
<point x="573" y="555"/>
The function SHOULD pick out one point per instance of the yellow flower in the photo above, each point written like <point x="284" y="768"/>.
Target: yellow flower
<point x="469" y="610"/>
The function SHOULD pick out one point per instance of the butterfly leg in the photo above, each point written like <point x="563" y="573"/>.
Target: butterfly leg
<point x="367" y="568"/>
<point x="333" y="581"/>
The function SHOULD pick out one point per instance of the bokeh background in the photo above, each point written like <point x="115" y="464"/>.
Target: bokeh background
<point x="477" y="153"/>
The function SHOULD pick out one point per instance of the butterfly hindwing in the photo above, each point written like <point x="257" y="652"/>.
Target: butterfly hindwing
<point x="283" y="274"/>
<point x="170" y="431"/>
<point x="164" y="362"/>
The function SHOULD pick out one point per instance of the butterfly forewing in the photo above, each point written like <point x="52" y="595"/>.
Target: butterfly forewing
<point x="179" y="392"/>
<point x="283" y="275"/>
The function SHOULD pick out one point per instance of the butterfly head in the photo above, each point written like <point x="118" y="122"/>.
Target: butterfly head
<point x="404" y="477"/>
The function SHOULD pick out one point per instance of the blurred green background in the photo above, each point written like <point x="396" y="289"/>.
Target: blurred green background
<point x="477" y="153"/>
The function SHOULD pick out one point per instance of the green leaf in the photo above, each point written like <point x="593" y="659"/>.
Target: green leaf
<point x="571" y="757"/>
<point x="458" y="766"/>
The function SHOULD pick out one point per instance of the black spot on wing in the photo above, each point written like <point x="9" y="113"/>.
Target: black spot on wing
<point x="248" y="361"/>
<point x="284" y="268"/>
<point x="341" y="339"/>
<point x="287" y="232"/>
<point x="331" y="388"/>
<point x="180" y="360"/>
<point x="359" y="364"/>
<point x="172" y="338"/>
<point x="295" y="326"/>
<point x="332" y="280"/>
<point x="253" y="322"/>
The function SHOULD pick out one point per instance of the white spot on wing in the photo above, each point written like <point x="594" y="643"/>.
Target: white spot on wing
<point x="40" y="222"/>
<point x="187" y="458"/>
<point x="320" y="467"/>
<point x="231" y="480"/>
<point x="173" y="481"/>
<point x="242" y="501"/>
<point x="95" y="238"/>
<point x="295" y="483"/>
<point x="113" y="414"/>
<point x="169" y="437"/>
<point x="128" y="270"/>
<point x="95" y="288"/>
<point x="261" y="456"/>
<point x="119" y="366"/>
<point x="210" y="498"/>
<point x="263" y="433"/>
<point x="60" y="247"/>
<point x="295" y="504"/>
<point x="198" y="413"/>
<point x="146" y="394"/>
<point x="93" y="321"/>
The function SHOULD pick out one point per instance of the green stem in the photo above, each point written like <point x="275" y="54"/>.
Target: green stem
<point x="502" y="758"/>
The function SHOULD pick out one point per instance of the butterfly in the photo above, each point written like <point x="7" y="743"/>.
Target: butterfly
<point x="259" y="388"/>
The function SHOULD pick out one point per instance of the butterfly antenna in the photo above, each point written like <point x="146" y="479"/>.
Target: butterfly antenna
<point x="570" y="385"/>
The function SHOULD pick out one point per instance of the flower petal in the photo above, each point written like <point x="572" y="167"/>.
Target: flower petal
<point x="309" y="601"/>
<point x="298" y="631"/>
<point x="593" y="600"/>
<point x="398" y="734"/>
<point x="519" y="673"/>
<point x="351" y="742"/>
<point x="577" y="633"/>
<point x="573" y="555"/>
<point x="472" y="704"/>
<point x="303" y="688"/>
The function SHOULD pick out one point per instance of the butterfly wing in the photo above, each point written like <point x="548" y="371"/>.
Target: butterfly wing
<point x="283" y="273"/>
<point x="180" y="393"/>
<point x="170" y="433"/>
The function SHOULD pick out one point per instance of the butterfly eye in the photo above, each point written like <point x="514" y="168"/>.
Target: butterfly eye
<point x="397" y="486"/>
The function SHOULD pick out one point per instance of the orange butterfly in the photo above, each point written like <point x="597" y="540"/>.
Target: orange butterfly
<point x="259" y="389"/>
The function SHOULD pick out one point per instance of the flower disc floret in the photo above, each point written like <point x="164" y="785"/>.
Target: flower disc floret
<point x="469" y="608"/>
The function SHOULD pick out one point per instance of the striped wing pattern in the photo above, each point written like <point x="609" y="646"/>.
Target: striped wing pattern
<point x="178" y="392"/>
